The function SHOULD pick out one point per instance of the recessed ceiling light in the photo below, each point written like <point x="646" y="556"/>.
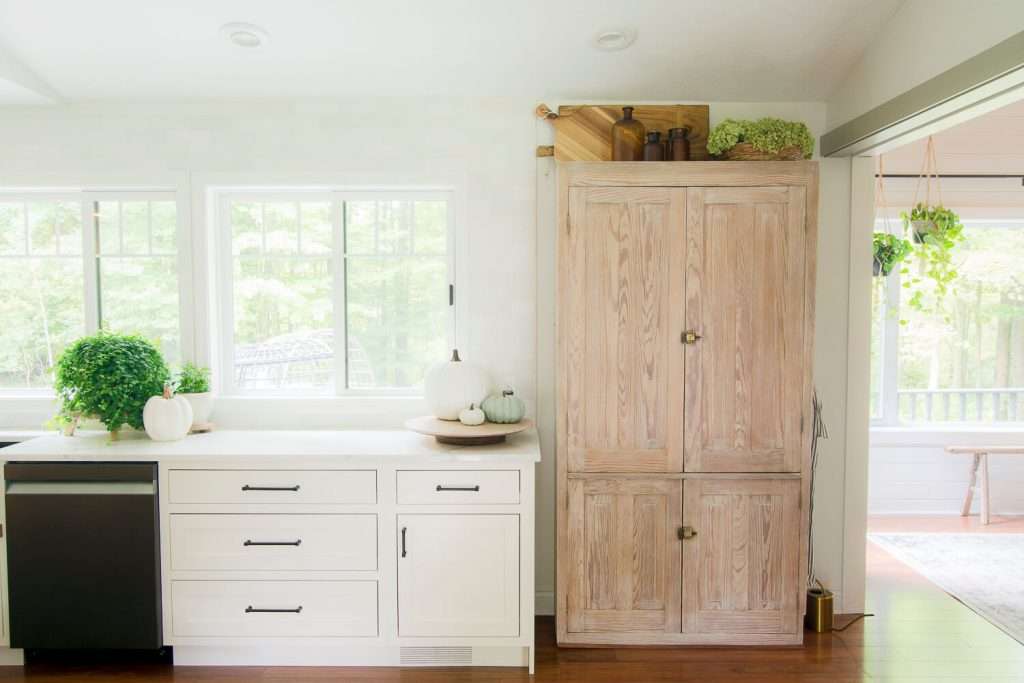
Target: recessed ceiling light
<point x="614" y="39"/>
<point x="244" y="35"/>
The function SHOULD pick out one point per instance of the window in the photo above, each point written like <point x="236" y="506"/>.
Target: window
<point x="59" y="281"/>
<point x="334" y="292"/>
<point x="963" y="360"/>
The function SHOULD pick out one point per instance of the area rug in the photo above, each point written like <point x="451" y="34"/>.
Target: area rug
<point x="983" y="571"/>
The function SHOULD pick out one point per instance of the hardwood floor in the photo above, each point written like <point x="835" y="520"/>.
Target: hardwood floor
<point x="919" y="634"/>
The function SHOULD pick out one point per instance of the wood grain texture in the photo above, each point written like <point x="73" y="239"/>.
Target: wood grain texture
<point x="584" y="132"/>
<point x="625" y="557"/>
<point x="690" y="173"/>
<point x="622" y="259"/>
<point x="745" y="296"/>
<point x="742" y="568"/>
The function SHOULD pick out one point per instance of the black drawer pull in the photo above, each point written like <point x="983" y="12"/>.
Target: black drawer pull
<point x="403" y="541"/>
<point x="270" y="488"/>
<point x="257" y="610"/>
<point x="458" y="488"/>
<point x="296" y="542"/>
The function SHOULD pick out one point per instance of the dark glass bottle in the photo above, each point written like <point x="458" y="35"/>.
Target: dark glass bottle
<point x="627" y="138"/>
<point x="654" y="150"/>
<point x="679" y="144"/>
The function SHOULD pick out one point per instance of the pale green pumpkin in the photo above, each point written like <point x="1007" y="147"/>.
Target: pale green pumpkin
<point x="505" y="408"/>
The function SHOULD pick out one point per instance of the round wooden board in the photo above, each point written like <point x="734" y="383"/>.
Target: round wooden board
<point x="455" y="433"/>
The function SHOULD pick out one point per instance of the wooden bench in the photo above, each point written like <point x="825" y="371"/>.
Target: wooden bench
<point x="981" y="454"/>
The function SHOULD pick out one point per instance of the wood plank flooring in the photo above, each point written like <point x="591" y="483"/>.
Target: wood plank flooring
<point x="919" y="634"/>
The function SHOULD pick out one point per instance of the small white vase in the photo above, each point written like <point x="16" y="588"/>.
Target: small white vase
<point x="202" y="406"/>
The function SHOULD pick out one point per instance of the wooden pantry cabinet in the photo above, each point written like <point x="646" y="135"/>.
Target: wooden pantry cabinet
<point x="685" y="331"/>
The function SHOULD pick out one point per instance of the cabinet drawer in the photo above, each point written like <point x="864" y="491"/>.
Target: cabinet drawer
<point x="273" y="486"/>
<point x="274" y="608"/>
<point x="273" y="542"/>
<point x="468" y="487"/>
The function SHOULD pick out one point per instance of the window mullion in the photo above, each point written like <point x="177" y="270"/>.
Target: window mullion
<point x="339" y="298"/>
<point x="91" y="263"/>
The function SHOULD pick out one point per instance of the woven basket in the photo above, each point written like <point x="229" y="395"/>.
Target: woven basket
<point x="744" y="151"/>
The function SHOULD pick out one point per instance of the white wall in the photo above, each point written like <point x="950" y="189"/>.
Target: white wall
<point x="910" y="472"/>
<point x="485" y="149"/>
<point x="923" y="39"/>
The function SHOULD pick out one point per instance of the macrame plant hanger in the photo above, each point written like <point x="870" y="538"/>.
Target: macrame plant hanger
<point x="929" y="172"/>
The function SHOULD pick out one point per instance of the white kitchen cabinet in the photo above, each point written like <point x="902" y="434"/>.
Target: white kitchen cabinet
<point x="458" y="575"/>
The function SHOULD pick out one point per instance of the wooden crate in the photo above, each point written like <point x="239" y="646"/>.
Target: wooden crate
<point x="584" y="132"/>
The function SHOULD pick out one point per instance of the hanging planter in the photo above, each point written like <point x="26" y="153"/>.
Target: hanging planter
<point x="936" y="232"/>
<point x="888" y="251"/>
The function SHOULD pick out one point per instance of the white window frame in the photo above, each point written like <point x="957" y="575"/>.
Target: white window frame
<point x="889" y="414"/>
<point x="85" y="197"/>
<point x="223" y="371"/>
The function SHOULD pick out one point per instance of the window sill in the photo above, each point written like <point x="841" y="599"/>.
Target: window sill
<point x="942" y="435"/>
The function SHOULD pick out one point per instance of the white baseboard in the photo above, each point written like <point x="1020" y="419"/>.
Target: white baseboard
<point x="11" y="657"/>
<point x="544" y="603"/>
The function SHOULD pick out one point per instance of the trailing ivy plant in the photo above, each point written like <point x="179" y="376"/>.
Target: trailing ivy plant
<point x="936" y="231"/>
<point x="109" y="377"/>
<point x="766" y="135"/>
<point x="888" y="251"/>
<point x="193" y="379"/>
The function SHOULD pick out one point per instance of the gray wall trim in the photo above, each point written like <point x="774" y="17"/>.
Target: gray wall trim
<point x="984" y="69"/>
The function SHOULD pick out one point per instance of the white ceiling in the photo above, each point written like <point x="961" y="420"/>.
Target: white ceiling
<point x="750" y="50"/>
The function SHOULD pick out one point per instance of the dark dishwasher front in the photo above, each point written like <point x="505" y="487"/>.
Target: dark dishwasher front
<point x="83" y="555"/>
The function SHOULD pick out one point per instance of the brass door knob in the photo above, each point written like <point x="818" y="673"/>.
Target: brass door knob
<point x="690" y="337"/>
<point x="687" y="532"/>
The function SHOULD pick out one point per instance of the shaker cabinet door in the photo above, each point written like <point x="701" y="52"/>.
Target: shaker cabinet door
<point x="624" y="557"/>
<point x="621" y="293"/>
<point x="458" y="575"/>
<point x="747" y="392"/>
<point x="741" y="565"/>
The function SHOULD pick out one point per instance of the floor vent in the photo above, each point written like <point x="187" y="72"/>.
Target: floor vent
<point x="437" y="656"/>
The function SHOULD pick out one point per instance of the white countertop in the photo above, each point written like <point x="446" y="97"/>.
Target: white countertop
<point x="304" y="446"/>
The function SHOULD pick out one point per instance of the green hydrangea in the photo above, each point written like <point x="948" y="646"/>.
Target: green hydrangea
<point x="766" y="135"/>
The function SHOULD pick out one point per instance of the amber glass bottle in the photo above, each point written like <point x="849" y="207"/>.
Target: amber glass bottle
<point x="679" y="144"/>
<point x="627" y="138"/>
<point x="654" y="150"/>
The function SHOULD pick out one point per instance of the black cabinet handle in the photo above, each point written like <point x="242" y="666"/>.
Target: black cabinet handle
<point x="270" y="488"/>
<point x="458" y="488"/>
<point x="403" y="541"/>
<point x="296" y="542"/>
<point x="257" y="610"/>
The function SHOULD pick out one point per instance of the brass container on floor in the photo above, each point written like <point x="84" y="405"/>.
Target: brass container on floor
<point x="819" y="610"/>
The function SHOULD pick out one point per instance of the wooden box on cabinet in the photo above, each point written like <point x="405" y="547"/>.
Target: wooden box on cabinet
<point x="685" y="325"/>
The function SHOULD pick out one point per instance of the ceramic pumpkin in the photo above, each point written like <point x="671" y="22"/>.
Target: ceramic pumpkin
<point x="504" y="408"/>
<point x="471" y="416"/>
<point x="451" y="386"/>
<point x="167" y="417"/>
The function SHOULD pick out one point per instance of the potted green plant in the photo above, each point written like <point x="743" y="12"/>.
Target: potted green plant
<point x="767" y="139"/>
<point x="888" y="251"/>
<point x="936" y="230"/>
<point x="108" y="377"/>
<point x="193" y="383"/>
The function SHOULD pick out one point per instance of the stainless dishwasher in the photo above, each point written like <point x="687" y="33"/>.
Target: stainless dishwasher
<point x="83" y="555"/>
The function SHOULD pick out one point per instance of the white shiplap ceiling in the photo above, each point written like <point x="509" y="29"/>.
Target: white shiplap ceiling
<point x="750" y="50"/>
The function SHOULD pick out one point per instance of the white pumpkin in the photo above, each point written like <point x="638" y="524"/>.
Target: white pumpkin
<point x="451" y="386"/>
<point x="471" y="416"/>
<point x="167" y="417"/>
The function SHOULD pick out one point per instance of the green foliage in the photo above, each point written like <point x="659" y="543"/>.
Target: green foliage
<point x="766" y="135"/>
<point x="193" y="379"/>
<point x="889" y="250"/>
<point x="937" y="231"/>
<point x="110" y="377"/>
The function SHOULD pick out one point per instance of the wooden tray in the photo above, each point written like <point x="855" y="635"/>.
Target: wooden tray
<point x="455" y="433"/>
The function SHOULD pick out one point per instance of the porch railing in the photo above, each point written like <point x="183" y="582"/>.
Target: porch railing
<point x="961" y="405"/>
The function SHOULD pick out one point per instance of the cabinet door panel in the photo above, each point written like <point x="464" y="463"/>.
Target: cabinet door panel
<point x="622" y="293"/>
<point x="459" y="575"/>
<point x="624" y="557"/>
<point x="745" y="383"/>
<point x="741" y="568"/>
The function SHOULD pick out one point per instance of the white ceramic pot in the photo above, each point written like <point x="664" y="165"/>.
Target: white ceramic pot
<point x="451" y="386"/>
<point x="202" y="406"/>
